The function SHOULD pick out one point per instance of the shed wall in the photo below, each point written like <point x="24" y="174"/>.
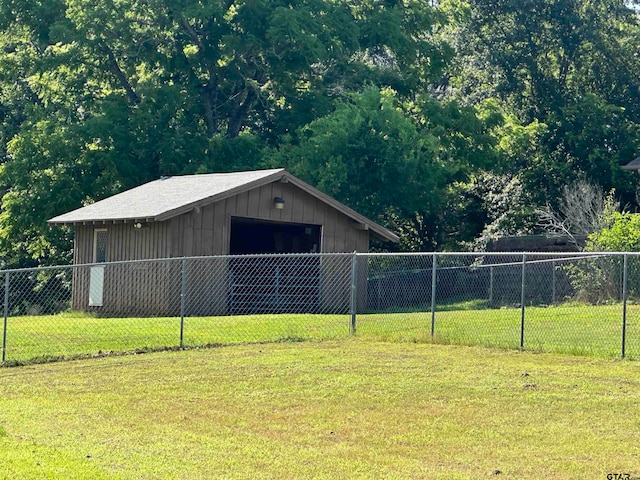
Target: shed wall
<point x="207" y="231"/>
<point x="124" y="242"/>
<point x="153" y="288"/>
<point x="144" y="288"/>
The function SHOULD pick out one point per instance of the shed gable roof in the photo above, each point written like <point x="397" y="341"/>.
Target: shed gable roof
<point x="168" y="197"/>
<point x="632" y="165"/>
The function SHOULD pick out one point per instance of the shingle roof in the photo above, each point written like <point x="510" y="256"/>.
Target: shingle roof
<point x="171" y="196"/>
<point x="160" y="197"/>
<point x="632" y="165"/>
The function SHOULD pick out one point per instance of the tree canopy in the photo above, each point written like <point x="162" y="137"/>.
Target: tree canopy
<point x="418" y="114"/>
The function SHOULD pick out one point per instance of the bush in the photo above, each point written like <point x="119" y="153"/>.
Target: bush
<point x="599" y="279"/>
<point x="622" y="234"/>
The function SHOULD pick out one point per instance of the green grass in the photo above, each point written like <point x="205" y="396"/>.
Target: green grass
<point x="334" y="409"/>
<point x="41" y="338"/>
<point x="571" y="328"/>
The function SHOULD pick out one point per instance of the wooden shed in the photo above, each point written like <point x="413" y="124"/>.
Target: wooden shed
<point x="240" y="213"/>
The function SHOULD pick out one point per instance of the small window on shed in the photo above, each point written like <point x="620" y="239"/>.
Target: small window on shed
<point x="100" y="238"/>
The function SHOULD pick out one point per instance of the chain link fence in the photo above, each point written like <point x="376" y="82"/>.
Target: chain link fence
<point x="583" y="304"/>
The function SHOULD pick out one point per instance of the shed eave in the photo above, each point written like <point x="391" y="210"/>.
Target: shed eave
<point x="220" y="196"/>
<point x="378" y="230"/>
<point x="100" y="221"/>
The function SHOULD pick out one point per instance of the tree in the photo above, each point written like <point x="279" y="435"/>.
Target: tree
<point x="240" y="65"/>
<point x="583" y="210"/>
<point x="100" y="96"/>
<point x="566" y="65"/>
<point x="599" y="278"/>
<point x="620" y="233"/>
<point x="394" y="166"/>
<point x="541" y="54"/>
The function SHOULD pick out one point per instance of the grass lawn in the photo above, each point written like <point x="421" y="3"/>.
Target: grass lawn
<point x="349" y="408"/>
<point x="571" y="328"/>
<point x="574" y="328"/>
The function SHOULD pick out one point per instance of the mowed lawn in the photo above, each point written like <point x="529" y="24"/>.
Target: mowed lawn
<point x="350" y="408"/>
<point x="573" y="328"/>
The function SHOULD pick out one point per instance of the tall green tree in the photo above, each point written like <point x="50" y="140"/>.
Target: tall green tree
<point x="395" y="164"/>
<point x="564" y="68"/>
<point x="541" y="55"/>
<point x="100" y="96"/>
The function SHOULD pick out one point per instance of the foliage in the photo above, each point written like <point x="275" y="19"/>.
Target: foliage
<point x="596" y="280"/>
<point x="583" y="210"/>
<point x="97" y="97"/>
<point x="500" y="198"/>
<point x="391" y="165"/>
<point x="622" y="234"/>
<point x="544" y="55"/>
<point x="371" y="156"/>
<point x="600" y="280"/>
<point x="449" y="122"/>
<point x="566" y="66"/>
<point x="497" y="204"/>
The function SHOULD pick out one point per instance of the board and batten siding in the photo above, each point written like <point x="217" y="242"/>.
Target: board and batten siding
<point x="207" y="230"/>
<point x="154" y="288"/>
<point x="144" y="288"/>
<point x="124" y="242"/>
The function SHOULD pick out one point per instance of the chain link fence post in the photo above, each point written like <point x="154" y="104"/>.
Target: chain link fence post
<point x="354" y="292"/>
<point x="6" y="315"/>
<point x="553" y="282"/>
<point x="491" y="278"/>
<point x="183" y="294"/>
<point x="625" y="293"/>
<point x="522" y="300"/>
<point x="434" y="265"/>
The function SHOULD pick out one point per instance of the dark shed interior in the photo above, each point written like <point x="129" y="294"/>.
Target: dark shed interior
<point x="274" y="283"/>
<point x="251" y="236"/>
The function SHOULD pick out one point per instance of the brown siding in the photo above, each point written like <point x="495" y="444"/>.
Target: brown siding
<point x="201" y="232"/>
<point x="208" y="232"/>
<point x="253" y="203"/>
<point x="125" y="242"/>
<point x="221" y="229"/>
<point x="133" y="288"/>
<point x="82" y="253"/>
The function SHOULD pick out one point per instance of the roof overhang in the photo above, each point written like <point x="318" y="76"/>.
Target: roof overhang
<point x="632" y="165"/>
<point x="362" y="222"/>
<point x="279" y="175"/>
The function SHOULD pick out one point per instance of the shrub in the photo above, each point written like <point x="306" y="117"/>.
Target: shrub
<point x="599" y="279"/>
<point x="621" y="234"/>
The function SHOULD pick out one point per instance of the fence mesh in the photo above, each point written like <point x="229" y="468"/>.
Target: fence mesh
<point x="582" y="303"/>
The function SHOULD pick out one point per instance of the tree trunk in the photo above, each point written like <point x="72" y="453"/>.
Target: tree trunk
<point x="238" y="116"/>
<point x="115" y="69"/>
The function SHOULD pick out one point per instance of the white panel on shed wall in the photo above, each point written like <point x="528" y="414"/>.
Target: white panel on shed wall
<point x="96" y="286"/>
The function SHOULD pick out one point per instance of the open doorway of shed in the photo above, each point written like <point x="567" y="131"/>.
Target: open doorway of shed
<point x="250" y="236"/>
<point x="274" y="284"/>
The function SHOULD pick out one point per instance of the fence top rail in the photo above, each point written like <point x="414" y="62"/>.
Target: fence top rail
<point x="178" y="259"/>
<point x="474" y="266"/>
<point x="556" y="255"/>
<point x="568" y="255"/>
